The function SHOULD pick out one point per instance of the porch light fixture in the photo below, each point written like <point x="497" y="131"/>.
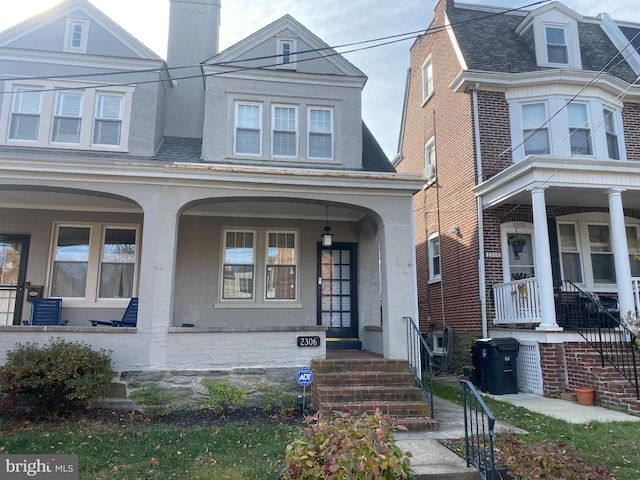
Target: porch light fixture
<point x="326" y="236"/>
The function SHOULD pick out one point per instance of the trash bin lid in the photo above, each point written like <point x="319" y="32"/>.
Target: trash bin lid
<point x="505" y="343"/>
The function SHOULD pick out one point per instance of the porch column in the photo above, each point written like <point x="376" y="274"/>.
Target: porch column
<point x="543" y="261"/>
<point x="157" y="270"/>
<point x="620" y="251"/>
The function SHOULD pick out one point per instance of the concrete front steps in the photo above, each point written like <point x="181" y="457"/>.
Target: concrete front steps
<point x="611" y="388"/>
<point x="362" y="385"/>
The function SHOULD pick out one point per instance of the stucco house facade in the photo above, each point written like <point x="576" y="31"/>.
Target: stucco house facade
<point x="202" y="186"/>
<point x="524" y="125"/>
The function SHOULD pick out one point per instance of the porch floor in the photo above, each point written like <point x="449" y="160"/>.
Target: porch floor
<point x="350" y="354"/>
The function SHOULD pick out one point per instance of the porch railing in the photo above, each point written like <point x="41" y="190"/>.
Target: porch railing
<point x="635" y="283"/>
<point x="517" y="302"/>
<point x="420" y="360"/>
<point x="479" y="425"/>
<point x="598" y="322"/>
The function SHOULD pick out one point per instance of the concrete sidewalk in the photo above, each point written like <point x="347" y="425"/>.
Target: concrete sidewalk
<point x="432" y="460"/>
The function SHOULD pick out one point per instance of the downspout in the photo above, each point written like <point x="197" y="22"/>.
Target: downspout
<point x="481" y="266"/>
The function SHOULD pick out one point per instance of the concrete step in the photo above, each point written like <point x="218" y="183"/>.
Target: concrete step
<point x="433" y="461"/>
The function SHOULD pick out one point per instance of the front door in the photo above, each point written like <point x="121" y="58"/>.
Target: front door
<point x="14" y="250"/>
<point x="338" y="295"/>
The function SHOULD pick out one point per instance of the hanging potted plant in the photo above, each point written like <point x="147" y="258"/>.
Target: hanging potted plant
<point x="517" y="243"/>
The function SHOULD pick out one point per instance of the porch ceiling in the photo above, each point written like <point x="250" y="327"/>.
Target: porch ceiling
<point x="567" y="182"/>
<point x="52" y="199"/>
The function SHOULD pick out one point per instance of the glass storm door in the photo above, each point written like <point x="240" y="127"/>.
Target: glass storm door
<point x="13" y="266"/>
<point x="337" y="294"/>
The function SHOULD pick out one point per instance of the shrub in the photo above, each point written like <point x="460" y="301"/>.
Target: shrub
<point x="51" y="377"/>
<point x="546" y="460"/>
<point x="221" y="395"/>
<point x="152" y="400"/>
<point x="347" y="447"/>
<point x="274" y="399"/>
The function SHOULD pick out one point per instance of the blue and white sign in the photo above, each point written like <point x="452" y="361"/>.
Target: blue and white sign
<point x="304" y="377"/>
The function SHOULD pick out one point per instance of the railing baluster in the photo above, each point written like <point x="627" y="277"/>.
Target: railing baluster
<point x="479" y="425"/>
<point x="420" y="360"/>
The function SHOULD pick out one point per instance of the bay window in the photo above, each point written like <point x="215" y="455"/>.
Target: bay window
<point x="579" y="129"/>
<point x="610" y="131"/>
<point x="535" y="131"/>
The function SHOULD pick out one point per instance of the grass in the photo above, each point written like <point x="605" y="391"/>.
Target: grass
<point x="614" y="444"/>
<point x="236" y="451"/>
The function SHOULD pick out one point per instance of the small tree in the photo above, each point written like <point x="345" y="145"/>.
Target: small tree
<point x="52" y="377"/>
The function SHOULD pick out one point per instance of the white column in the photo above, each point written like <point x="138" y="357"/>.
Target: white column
<point x="543" y="261"/>
<point x="620" y="251"/>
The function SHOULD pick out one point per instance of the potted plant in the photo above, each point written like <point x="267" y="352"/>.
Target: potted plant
<point x="517" y="243"/>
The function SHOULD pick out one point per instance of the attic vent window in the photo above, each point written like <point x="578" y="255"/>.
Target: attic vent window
<point x="286" y="57"/>
<point x="76" y="36"/>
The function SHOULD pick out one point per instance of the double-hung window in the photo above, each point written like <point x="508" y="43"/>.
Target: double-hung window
<point x="434" y="257"/>
<point x="570" y="252"/>
<point x="107" y="127"/>
<point x="248" y="138"/>
<point x="535" y="131"/>
<point x="427" y="79"/>
<point x="94" y="261"/>
<point x="557" y="50"/>
<point x="320" y="132"/>
<point x="239" y="264"/>
<point x="67" y="120"/>
<point x="579" y="129"/>
<point x="25" y="114"/>
<point x="634" y="249"/>
<point x="285" y="131"/>
<point x="612" y="136"/>
<point x="430" y="160"/>
<point x="601" y="254"/>
<point x="281" y="262"/>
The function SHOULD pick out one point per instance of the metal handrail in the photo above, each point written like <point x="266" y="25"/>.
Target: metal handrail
<point x="479" y="430"/>
<point x="602" y="329"/>
<point x="420" y="359"/>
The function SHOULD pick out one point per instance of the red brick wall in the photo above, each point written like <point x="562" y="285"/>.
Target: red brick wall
<point x="448" y="117"/>
<point x="631" y="121"/>
<point x="495" y="133"/>
<point x="554" y="374"/>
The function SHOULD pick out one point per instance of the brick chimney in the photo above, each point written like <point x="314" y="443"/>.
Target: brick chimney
<point x="194" y="27"/>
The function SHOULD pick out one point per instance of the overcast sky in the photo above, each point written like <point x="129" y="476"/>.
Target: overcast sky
<point x="334" y="21"/>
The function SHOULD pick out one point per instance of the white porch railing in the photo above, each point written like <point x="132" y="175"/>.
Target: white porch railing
<point x="517" y="302"/>
<point x="635" y="282"/>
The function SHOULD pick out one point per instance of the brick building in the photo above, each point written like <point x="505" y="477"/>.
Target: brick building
<point x="524" y="125"/>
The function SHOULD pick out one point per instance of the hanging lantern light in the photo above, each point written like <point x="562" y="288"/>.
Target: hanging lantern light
<point x="326" y="236"/>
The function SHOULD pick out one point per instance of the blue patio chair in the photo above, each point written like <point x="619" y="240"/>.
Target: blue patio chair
<point x="129" y="319"/>
<point x="46" y="311"/>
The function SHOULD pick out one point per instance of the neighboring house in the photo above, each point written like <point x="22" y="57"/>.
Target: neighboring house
<point x="525" y="127"/>
<point x="202" y="186"/>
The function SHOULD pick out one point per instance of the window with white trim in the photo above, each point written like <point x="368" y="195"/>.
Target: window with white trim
<point x="430" y="160"/>
<point x="557" y="49"/>
<point x="248" y="137"/>
<point x="281" y="260"/>
<point x="427" y="79"/>
<point x="286" y="53"/>
<point x="435" y="271"/>
<point x="601" y="252"/>
<point x="284" y="139"/>
<point x="68" y="115"/>
<point x="570" y="252"/>
<point x="534" y="129"/>
<point x="579" y="129"/>
<point x="25" y="114"/>
<point x="76" y="36"/>
<point x="320" y="138"/>
<point x="239" y="264"/>
<point x="94" y="261"/>
<point x="611" y="132"/>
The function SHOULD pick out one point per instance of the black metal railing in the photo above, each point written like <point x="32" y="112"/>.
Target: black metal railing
<point x="420" y="360"/>
<point x="479" y="425"/>
<point x="597" y="320"/>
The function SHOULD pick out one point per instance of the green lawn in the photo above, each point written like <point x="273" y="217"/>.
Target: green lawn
<point x="236" y="451"/>
<point x="616" y="445"/>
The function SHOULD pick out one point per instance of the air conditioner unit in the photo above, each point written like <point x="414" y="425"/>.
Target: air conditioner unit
<point x="430" y="172"/>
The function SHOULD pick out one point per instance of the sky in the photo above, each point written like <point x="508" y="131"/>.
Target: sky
<point x="336" y="22"/>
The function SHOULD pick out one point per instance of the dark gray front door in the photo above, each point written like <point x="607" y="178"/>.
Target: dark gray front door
<point x="338" y="295"/>
<point x="14" y="250"/>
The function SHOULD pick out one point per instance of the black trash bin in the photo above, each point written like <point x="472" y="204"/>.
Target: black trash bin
<point x="497" y="359"/>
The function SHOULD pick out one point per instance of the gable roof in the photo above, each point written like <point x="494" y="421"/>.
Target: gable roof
<point x="319" y="50"/>
<point x="489" y="43"/>
<point x="71" y="7"/>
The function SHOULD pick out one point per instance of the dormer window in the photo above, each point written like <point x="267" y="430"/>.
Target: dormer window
<point x="76" y="34"/>
<point x="557" y="45"/>
<point x="286" y="53"/>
